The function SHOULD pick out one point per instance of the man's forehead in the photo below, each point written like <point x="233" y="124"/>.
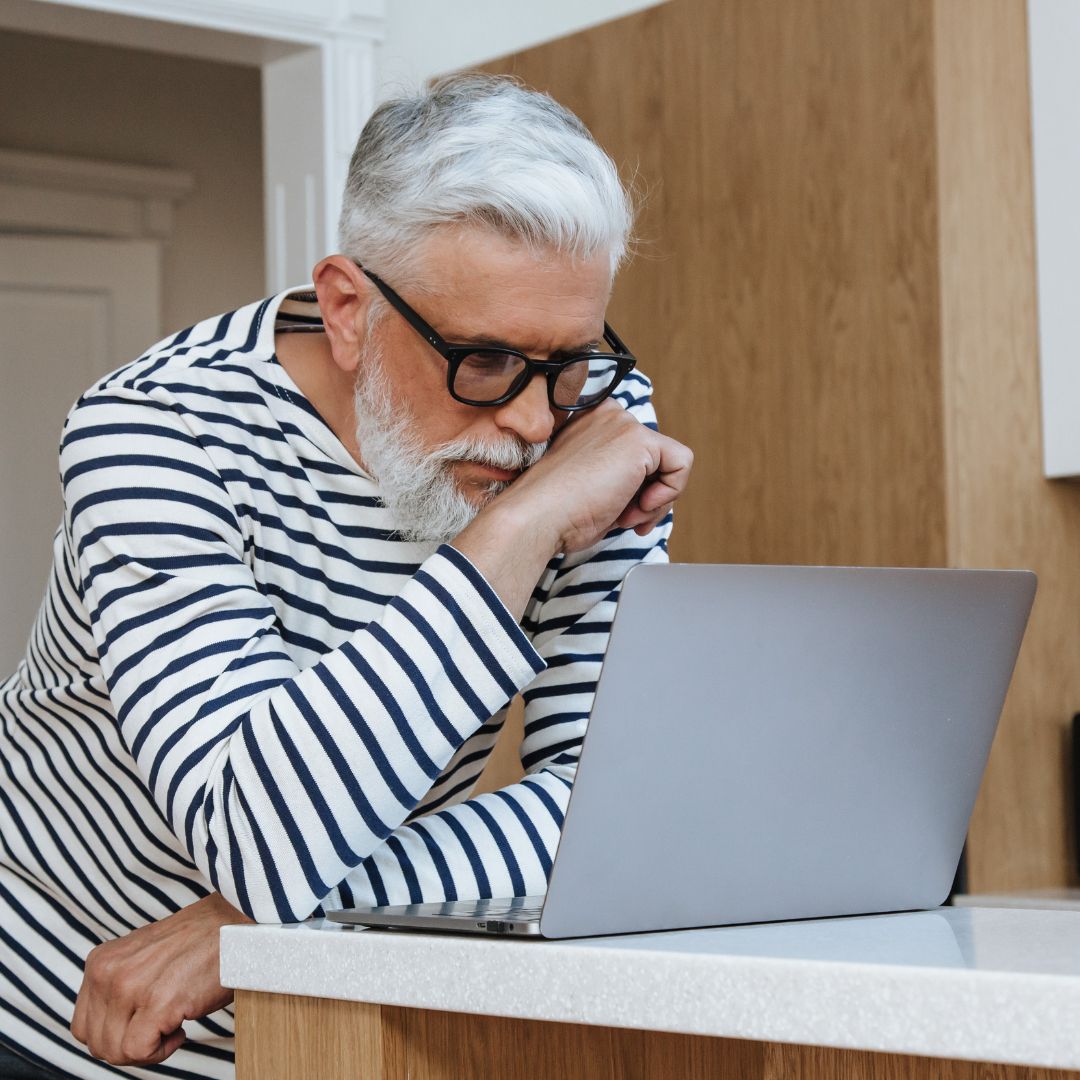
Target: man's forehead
<point x="555" y="335"/>
<point x="487" y="290"/>
<point x="519" y="338"/>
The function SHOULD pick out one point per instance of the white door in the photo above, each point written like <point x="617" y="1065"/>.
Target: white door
<point x="71" y="310"/>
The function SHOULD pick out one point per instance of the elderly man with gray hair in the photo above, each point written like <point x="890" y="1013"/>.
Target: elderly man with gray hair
<point x="310" y="551"/>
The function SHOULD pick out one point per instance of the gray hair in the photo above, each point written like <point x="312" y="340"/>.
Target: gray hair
<point x="485" y="151"/>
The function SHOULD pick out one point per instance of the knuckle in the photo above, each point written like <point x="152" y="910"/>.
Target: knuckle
<point x="129" y="987"/>
<point x="132" y="1051"/>
<point x="99" y="963"/>
<point x="165" y="1005"/>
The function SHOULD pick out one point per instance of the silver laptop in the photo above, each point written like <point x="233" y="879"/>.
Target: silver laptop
<point x="771" y="742"/>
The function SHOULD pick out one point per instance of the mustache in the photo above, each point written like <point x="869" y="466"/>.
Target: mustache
<point x="514" y="454"/>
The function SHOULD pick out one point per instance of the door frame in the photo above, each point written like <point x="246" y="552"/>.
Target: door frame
<point x="318" y="66"/>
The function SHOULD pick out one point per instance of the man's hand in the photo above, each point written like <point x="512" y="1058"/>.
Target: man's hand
<point x="603" y="470"/>
<point x="139" y="989"/>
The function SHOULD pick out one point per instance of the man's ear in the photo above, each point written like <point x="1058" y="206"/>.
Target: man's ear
<point x="344" y="297"/>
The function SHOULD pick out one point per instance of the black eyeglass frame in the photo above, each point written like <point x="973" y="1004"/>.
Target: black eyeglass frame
<point x="551" y="369"/>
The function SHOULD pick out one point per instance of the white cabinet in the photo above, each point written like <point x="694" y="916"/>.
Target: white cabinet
<point x="1054" y="33"/>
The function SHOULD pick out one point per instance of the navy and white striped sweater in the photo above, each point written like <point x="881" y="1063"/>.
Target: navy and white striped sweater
<point x="240" y="679"/>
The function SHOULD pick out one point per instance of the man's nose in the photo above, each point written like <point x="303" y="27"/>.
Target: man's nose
<point x="528" y="414"/>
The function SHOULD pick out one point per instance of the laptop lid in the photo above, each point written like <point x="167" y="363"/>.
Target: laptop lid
<point x="775" y="742"/>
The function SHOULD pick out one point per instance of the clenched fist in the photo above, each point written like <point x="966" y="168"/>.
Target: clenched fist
<point x="138" y="990"/>
<point x="603" y="470"/>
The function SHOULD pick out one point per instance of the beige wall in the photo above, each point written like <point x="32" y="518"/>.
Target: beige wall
<point x="143" y="108"/>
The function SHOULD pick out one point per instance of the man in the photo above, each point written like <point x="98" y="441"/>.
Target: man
<point x="310" y="551"/>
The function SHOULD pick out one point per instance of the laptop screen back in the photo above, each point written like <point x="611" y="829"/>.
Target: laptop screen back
<point x="784" y="742"/>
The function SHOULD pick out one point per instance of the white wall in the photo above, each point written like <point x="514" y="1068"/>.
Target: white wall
<point x="138" y="107"/>
<point x="1054" y="32"/>
<point x="425" y="38"/>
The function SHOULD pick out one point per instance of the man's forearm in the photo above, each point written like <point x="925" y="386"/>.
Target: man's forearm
<point x="510" y="549"/>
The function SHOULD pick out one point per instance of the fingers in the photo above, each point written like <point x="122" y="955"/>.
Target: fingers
<point x="604" y="470"/>
<point x="78" y="1019"/>
<point x="98" y="1012"/>
<point x="641" y="522"/>
<point x="656" y="493"/>
<point x="138" y="989"/>
<point x="123" y="1036"/>
<point x="647" y="527"/>
<point x="144" y="1043"/>
<point x="657" y="496"/>
<point x="169" y="1045"/>
<point x="108" y="1019"/>
<point x="670" y="479"/>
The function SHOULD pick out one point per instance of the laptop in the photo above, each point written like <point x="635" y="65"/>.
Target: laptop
<point x="771" y="743"/>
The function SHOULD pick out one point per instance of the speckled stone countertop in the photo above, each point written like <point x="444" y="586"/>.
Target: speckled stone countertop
<point x="990" y="984"/>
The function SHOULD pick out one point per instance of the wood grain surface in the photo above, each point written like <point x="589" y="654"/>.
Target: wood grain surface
<point x="1001" y="510"/>
<point x="302" y="1038"/>
<point x="290" y="1038"/>
<point x="834" y="295"/>
<point x="785" y="296"/>
<point x="504" y="765"/>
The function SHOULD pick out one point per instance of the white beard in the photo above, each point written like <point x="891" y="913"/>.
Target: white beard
<point x="415" y="484"/>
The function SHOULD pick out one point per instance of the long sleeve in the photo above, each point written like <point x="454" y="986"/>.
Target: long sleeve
<point x="503" y="843"/>
<point x="242" y="677"/>
<point x="279" y="781"/>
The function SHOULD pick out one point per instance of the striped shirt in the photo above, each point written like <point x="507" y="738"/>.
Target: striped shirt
<point x="241" y="679"/>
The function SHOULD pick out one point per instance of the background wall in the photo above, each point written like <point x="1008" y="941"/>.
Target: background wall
<point x="128" y="106"/>
<point x="1054" y="28"/>
<point x="834" y="290"/>
<point x="144" y="108"/>
<point x="835" y="296"/>
<point x="425" y="38"/>
<point x="1001" y="509"/>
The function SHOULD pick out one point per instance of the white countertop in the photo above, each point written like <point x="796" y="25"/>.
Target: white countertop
<point x="990" y="984"/>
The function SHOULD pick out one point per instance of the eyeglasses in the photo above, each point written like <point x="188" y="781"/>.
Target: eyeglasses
<point x="483" y="375"/>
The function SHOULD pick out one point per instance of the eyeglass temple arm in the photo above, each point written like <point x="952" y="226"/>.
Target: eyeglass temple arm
<point x="424" y="329"/>
<point x="615" y="341"/>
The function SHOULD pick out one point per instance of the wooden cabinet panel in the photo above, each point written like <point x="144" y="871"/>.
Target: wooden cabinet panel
<point x="834" y="294"/>
<point x="280" y="1037"/>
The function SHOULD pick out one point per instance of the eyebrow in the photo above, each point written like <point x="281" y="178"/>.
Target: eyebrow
<point x="494" y="343"/>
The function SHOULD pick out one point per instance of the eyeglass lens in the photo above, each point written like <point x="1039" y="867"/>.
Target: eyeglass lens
<point x="489" y="374"/>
